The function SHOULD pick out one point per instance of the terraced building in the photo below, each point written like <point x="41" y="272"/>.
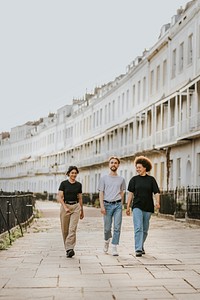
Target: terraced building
<point x="153" y="109"/>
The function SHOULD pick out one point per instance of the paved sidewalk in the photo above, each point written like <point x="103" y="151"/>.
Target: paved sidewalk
<point x="35" y="267"/>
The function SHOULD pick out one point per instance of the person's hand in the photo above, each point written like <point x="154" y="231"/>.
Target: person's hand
<point x="103" y="211"/>
<point x="157" y="205"/>
<point x="81" y="214"/>
<point x="67" y="209"/>
<point x="128" y="212"/>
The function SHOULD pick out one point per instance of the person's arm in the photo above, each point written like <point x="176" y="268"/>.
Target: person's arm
<point x="101" y="196"/>
<point x="129" y="200"/>
<point x="157" y="200"/>
<point x="80" y="199"/>
<point x="60" y="199"/>
<point x="122" y="193"/>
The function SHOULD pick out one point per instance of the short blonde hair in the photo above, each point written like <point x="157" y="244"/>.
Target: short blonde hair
<point x="114" y="157"/>
<point x="144" y="161"/>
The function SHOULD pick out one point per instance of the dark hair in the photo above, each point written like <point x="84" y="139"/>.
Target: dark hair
<point x="114" y="157"/>
<point x="144" y="161"/>
<point x="72" y="168"/>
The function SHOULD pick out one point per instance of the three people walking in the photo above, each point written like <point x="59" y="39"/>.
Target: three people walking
<point x="141" y="191"/>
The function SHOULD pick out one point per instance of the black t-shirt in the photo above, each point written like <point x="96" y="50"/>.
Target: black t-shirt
<point x="70" y="190"/>
<point x="143" y="188"/>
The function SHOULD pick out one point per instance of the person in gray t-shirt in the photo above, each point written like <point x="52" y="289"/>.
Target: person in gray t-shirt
<point x="111" y="195"/>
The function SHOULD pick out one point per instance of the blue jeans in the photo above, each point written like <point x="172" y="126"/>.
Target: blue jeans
<point x="113" y="212"/>
<point x="141" y="226"/>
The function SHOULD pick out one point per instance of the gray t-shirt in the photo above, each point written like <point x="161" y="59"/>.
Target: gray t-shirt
<point x="112" y="186"/>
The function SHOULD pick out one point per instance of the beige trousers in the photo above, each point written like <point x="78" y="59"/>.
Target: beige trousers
<point x="69" y="222"/>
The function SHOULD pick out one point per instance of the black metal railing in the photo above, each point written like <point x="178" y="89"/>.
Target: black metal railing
<point x="193" y="202"/>
<point x="15" y="209"/>
<point x="168" y="202"/>
<point x="181" y="201"/>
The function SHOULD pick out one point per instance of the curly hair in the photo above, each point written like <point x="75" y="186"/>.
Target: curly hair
<point x="144" y="161"/>
<point x="72" y="168"/>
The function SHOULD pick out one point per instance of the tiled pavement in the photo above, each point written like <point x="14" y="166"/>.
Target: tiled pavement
<point x="35" y="267"/>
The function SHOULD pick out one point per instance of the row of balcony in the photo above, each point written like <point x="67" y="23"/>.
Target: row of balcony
<point x="184" y="130"/>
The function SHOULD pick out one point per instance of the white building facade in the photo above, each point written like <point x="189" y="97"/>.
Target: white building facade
<point x="153" y="110"/>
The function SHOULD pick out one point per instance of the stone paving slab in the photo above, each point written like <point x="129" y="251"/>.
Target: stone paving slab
<point x="35" y="266"/>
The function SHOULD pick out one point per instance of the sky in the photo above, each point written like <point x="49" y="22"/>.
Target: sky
<point x="52" y="51"/>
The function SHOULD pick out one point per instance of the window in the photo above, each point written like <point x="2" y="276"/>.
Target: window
<point x="171" y="175"/>
<point x="86" y="125"/>
<point x="144" y="89"/>
<point x="181" y="57"/>
<point x="137" y="130"/>
<point x="106" y="111"/>
<point x="162" y="174"/>
<point x="119" y="110"/>
<point x="152" y="82"/>
<point x="172" y="112"/>
<point x="174" y="63"/>
<point x="113" y="110"/>
<point x="101" y="116"/>
<point x="155" y="170"/>
<point x="190" y="49"/>
<point x="81" y="126"/>
<point x="122" y="110"/>
<point x="93" y="120"/>
<point x="199" y="42"/>
<point x="139" y="88"/>
<point x="127" y="100"/>
<point x="97" y="120"/>
<point x="133" y="95"/>
<point x="90" y="122"/>
<point x="125" y="135"/>
<point x="198" y="168"/>
<point x="178" y="172"/>
<point x="109" y="112"/>
<point x="84" y="129"/>
<point x="121" y="137"/>
<point x="158" y="78"/>
<point x="130" y="133"/>
<point x="164" y="72"/>
<point x="149" y="123"/>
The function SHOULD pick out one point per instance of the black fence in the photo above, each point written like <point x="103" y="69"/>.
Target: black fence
<point x="180" y="202"/>
<point x="15" y="209"/>
<point x="167" y="202"/>
<point x="193" y="203"/>
<point x="90" y="198"/>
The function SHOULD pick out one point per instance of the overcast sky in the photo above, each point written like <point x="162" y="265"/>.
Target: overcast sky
<point x="54" y="50"/>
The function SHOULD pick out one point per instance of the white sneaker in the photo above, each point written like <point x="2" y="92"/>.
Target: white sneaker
<point x="114" y="250"/>
<point x="106" y="246"/>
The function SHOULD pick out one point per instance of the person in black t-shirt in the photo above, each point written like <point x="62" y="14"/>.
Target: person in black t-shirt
<point x="70" y="197"/>
<point x="141" y="189"/>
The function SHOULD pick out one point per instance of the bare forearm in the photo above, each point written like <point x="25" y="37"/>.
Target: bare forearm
<point x="157" y="200"/>
<point x="122" y="196"/>
<point x="81" y="201"/>
<point x="129" y="199"/>
<point x="60" y="199"/>
<point x="101" y="196"/>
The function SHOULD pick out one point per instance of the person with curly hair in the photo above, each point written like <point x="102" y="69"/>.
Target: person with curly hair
<point x="71" y="210"/>
<point x="141" y="189"/>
